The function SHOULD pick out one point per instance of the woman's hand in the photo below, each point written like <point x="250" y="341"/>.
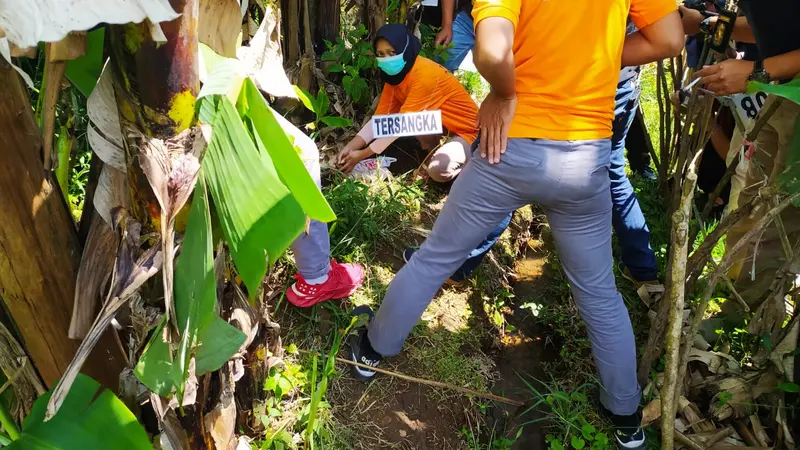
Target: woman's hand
<point x="494" y="120"/>
<point x="347" y="159"/>
<point x="728" y="77"/>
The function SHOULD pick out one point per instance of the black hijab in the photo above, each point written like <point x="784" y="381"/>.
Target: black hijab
<point x="398" y="35"/>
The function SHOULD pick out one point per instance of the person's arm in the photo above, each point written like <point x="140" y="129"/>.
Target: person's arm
<point x="783" y="67"/>
<point x="661" y="39"/>
<point x="493" y="55"/>
<point x="731" y="76"/>
<point x="364" y="144"/>
<point x="445" y="35"/>
<point x="741" y="28"/>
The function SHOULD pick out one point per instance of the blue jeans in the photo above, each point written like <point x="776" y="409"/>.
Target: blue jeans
<point x="569" y="179"/>
<point x="627" y="218"/>
<point x="463" y="41"/>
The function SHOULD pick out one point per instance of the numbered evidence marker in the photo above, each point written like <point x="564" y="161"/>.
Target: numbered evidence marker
<point x="748" y="106"/>
<point x="407" y="124"/>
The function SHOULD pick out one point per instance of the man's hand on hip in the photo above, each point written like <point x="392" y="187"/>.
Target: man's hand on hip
<point x="494" y="120"/>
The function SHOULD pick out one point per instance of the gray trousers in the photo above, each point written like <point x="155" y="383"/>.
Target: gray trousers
<point x="569" y="179"/>
<point x="312" y="250"/>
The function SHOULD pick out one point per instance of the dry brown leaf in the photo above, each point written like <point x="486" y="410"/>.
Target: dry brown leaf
<point x="263" y="58"/>
<point x="171" y="167"/>
<point x="781" y="419"/>
<point x="173" y="437"/>
<point x="97" y="262"/>
<point x="651" y="412"/>
<point x="69" y="48"/>
<point x="787" y="345"/>
<point x="219" y="25"/>
<point x="111" y="192"/>
<point x="734" y="399"/>
<point x="715" y="361"/>
<point x="104" y="132"/>
<point x="220" y="423"/>
<point x="132" y="268"/>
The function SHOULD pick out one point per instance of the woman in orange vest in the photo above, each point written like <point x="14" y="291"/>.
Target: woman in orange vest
<point x="415" y="84"/>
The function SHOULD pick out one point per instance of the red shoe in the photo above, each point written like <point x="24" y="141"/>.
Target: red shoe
<point x="343" y="280"/>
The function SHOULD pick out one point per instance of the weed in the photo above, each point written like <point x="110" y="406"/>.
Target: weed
<point x="352" y="56"/>
<point x="319" y="105"/>
<point x="371" y="216"/>
<point x="566" y="415"/>
<point x="495" y="442"/>
<point x="450" y="357"/>
<point x="296" y="410"/>
<point x="430" y="50"/>
<point x="474" y="83"/>
<point x="496" y="307"/>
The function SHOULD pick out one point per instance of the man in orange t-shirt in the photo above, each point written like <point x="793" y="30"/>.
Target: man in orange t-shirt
<point x="545" y="132"/>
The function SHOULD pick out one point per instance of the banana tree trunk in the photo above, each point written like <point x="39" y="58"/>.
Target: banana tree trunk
<point x="156" y="86"/>
<point x="373" y="13"/>
<point x="39" y="250"/>
<point x="328" y="22"/>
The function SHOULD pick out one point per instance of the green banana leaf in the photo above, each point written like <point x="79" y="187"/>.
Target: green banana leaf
<point x="259" y="216"/>
<point x="288" y="164"/>
<point x="86" y="420"/>
<point x="790" y="90"/>
<point x="203" y="334"/>
<point x="83" y="72"/>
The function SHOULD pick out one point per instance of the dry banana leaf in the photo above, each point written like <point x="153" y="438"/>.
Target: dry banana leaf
<point x="132" y="268"/>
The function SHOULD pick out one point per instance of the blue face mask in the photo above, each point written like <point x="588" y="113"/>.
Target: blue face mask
<point x="392" y="65"/>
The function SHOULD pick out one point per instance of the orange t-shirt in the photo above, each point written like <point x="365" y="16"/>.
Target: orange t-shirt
<point x="567" y="56"/>
<point x="429" y="86"/>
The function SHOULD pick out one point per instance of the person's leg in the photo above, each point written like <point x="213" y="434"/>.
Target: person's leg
<point x="638" y="145"/>
<point x="447" y="161"/>
<point x="581" y="222"/>
<point x="445" y="164"/>
<point x="756" y="277"/>
<point x="481" y="197"/>
<point x="628" y="219"/>
<point x="757" y="170"/>
<point x="318" y="279"/>
<point x="312" y="250"/>
<point x="462" y="43"/>
<point x="738" y="179"/>
<point x="476" y="256"/>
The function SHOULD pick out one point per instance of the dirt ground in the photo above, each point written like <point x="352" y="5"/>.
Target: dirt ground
<point x="391" y="413"/>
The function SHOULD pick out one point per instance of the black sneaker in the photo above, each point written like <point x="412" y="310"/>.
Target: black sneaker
<point x="628" y="431"/>
<point x="361" y="350"/>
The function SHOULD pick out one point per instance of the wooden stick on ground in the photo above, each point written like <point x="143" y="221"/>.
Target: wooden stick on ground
<point x="438" y="384"/>
<point x="682" y="439"/>
<point x="719" y="436"/>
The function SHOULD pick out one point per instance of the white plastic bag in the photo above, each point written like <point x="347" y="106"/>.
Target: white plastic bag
<point x="373" y="169"/>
